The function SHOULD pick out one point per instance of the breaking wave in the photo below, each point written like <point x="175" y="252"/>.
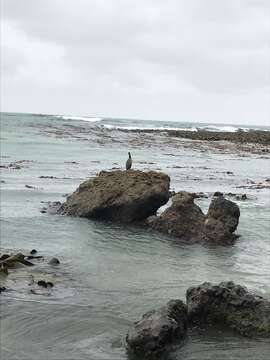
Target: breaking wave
<point x="80" y="118"/>
<point x="155" y="128"/>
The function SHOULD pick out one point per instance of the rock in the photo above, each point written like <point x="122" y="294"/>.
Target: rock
<point x="54" y="207"/>
<point x="218" y="193"/>
<point x="157" y="329"/>
<point x="124" y="196"/>
<point x="171" y="193"/>
<point x="31" y="257"/>
<point x="200" y="195"/>
<point x="13" y="260"/>
<point x="47" y="177"/>
<point x="30" y="186"/>
<point x="4" y="256"/>
<point x="229" y="304"/>
<point x="42" y="283"/>
<point x="221" y="220"/>
<point x="183" y="219"/>
<point x="54" y="261"/>
<point x="2" y="288"/>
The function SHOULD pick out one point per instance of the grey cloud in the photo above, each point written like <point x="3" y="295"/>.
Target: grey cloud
<point x="199" y="50"/>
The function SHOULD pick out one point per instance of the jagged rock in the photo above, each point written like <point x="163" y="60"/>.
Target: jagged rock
<point x="124" y="196"/>
<point x="157" y="329"/>
<point x="222" y="220"/>
<point x="231" y="305"/>
<point x="183" y="219"/>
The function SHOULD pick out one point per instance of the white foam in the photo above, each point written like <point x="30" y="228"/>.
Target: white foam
<point x="158" y="128"/>
<point x="222" y="128"/>
<point x="80" y="118"/>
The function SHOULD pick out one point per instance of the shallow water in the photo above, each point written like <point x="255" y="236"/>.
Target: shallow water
<point x="111" y="274"/>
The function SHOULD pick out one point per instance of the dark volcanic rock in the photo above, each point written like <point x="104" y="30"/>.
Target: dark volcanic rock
<point x="183" y="219"/>
<point x="229" y="304"/>
<point x="124" y="196"/>
<point x="157" y="329"/>
<point x="222" y="220"/>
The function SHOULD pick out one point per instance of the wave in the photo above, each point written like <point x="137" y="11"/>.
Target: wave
<point x="221" y="128"/>
<point x="213" y="128"/>
<point x="80" y="118"/>
<point x="142" y="128"/>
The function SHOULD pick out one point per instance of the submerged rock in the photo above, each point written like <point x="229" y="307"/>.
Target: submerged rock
<point x="12" y="260"/>
<point x="157" y="329"/>
<point x="229" y="304"/>
<point x="183" y="219"/>
<point x="124" y="196"/>
<point x="54" y="261"/>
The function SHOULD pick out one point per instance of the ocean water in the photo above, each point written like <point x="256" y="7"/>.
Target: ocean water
<point x="111" y="274"/>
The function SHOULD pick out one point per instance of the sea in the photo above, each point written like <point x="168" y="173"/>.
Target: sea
<point x="110" y="274"/>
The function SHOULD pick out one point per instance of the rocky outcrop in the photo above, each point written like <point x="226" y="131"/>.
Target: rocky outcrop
<point x="221" y="220"/>
<point x="185" y="220"/>
<point x="229" y="304"/>
<point x="157" y="330"/>
<point x="124" y="196"/>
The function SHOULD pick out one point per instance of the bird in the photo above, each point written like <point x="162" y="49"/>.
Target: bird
<point x="129" y="162"/>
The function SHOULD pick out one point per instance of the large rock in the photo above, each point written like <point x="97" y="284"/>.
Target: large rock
<point x="222" y="220"/>
<point x="157" y="329"/>
<point x="183" y="219"/>
<point x="229" y="304"/>
<point x="124" y="196"/>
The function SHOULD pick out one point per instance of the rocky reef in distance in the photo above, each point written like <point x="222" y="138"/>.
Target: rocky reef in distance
<point x="135" y="196"/>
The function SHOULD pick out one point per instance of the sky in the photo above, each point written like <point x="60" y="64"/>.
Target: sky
<point x="179" y="60"/>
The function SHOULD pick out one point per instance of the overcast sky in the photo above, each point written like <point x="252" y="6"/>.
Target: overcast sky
<point x="186" y="60"/>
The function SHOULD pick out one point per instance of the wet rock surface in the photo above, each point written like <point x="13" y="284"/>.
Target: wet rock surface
<point x="124" y="196"/>
<point x="158" y="329"/>
<point x="231" y="305"/>
<point x="221" y="220"/>
<point x="185" y="220"/>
